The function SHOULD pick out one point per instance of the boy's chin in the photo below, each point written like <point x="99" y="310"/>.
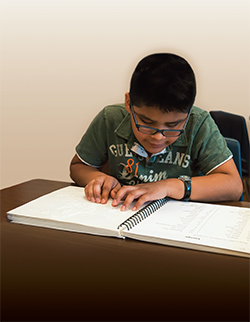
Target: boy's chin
<point x="154" y="150"/>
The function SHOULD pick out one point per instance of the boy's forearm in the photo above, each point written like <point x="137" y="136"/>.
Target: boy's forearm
<point x="223" y="183"/>
<point x="216" y="187"/>
<point x="82" y="174"/>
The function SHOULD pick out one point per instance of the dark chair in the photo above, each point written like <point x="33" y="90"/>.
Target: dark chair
<point x="234" y="126"/>
<point x="234" y="147"/>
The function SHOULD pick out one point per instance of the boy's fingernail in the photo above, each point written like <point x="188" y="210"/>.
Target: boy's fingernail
<point x="103" y="200"/>
<point x="134" y="208"/>
<point x="123" y="208"/>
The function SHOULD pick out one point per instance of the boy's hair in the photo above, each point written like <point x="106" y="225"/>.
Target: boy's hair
<point x="165" y="81"/>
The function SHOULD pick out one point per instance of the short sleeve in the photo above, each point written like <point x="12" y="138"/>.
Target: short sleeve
<point x="211" y="149"/>
<point x="92" y="149"/>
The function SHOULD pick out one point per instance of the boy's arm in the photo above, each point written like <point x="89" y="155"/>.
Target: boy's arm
<point x="98" y="184"/>
<point x="223" y="183"/>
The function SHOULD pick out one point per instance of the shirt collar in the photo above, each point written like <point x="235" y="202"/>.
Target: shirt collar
<point x="124" y="129"/>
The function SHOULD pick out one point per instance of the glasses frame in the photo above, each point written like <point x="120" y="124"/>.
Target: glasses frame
<point x="138" y="126"/>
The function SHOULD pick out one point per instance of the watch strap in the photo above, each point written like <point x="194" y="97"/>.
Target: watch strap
<point x="187" y="187"/>
<point x="187" y="193"/>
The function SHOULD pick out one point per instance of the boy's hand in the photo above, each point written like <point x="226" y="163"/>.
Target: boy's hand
<point x="142" y="193"/>
<point x="99" y="189"/>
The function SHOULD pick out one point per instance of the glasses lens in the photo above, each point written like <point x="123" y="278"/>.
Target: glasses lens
<point x="150" y="131"/>
<point x="146" y="130"/>
<point x="172" y="133"/>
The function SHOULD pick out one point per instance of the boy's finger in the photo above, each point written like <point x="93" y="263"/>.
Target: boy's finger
<point x="115" y="190"/>
<point x="140" y="202"/>
<point x="128" y="201"/>
<point x="89" y="192"/>
<point x="131" y="197"/>
<point x="110" y="185"/>
<point x="105" y="193"/>
<point x="121" y="193"/>
<point x="97" y="187"/>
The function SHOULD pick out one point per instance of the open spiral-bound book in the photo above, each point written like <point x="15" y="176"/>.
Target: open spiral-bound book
<point x="198" y="226"/>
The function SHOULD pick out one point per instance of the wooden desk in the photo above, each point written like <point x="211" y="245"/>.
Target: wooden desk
<point x="50" y="275"/>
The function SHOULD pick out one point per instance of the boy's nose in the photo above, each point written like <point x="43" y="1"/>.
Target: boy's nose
<point x="158" y="136"/>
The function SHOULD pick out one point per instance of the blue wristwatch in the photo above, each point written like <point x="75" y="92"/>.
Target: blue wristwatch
<point x="187" y="184"/>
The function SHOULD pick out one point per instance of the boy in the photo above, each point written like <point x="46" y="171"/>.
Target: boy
<point x="157" y="144"/>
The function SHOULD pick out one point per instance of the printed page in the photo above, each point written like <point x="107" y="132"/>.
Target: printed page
<point x="70" y="206"/>
<point x="197" y="223"/>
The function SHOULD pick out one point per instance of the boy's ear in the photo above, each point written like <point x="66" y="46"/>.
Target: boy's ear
<point x="127" y="102"/>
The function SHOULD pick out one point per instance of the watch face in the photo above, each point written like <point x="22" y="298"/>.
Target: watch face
<point x="184" y="178"/>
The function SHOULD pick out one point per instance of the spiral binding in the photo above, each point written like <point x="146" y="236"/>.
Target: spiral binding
<point x="143" y="213"/>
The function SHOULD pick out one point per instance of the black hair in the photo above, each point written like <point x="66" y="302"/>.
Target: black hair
<point x="165" y="81"/>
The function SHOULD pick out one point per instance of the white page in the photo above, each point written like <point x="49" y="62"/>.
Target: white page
<point x="203" y="224"/>
<point x="70" y="205"/>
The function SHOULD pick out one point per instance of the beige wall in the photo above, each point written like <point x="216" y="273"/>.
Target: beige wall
<point x="62" y="61"/>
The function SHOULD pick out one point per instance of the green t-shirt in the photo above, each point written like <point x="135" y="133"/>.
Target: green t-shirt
<point x="199" y="150"/>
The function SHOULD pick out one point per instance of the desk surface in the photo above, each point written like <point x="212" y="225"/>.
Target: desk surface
<point x="51" y="275"/>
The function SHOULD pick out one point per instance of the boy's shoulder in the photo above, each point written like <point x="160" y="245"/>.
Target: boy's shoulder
<point x="200" y="122"/>
<point x="114" y="113"/>
<point x="199" y="112"/>
<point x="199" y="118"/>
<point x="115" y="108"/>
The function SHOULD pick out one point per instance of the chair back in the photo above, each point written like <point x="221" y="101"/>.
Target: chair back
<point x="234" y="147"/>
<point x="234" y="126"/>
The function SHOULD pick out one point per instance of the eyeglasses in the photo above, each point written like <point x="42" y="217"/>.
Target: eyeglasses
<point x="152" y="130"/>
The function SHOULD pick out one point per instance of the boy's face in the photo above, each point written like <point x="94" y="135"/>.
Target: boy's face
<point x="154" y="117"/>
